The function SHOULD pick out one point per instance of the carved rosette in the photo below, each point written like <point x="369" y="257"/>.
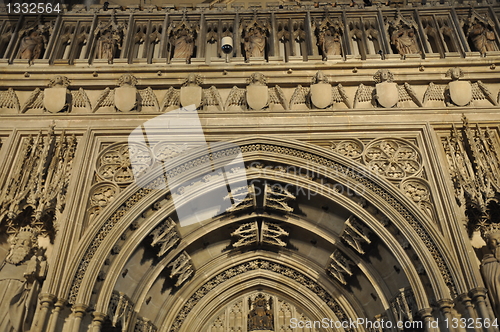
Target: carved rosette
<point x="101" y="194"/>
<point x="419" y="192"/>
<point x="393" y="158"/>
<point x="115" y="162"/>
<point x="351" y="148"/>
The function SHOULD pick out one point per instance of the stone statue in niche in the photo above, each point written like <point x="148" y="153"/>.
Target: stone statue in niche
<point x="481" y="35"/>
<point x="254" y="39"/>
<point x="490" y="265"/>
<point x="182" y="38"/>
<point x="110" y="39"/>
<point x="32" y="45"/>
<point x="108" y="43"/>
<point x="20" y="276"/>
<point x="261" y="315"/>
<point x="403" y="35"/>
<point x="329" y="37"/>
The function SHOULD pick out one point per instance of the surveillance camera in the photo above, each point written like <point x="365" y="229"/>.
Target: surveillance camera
<point x="227" y="45"/>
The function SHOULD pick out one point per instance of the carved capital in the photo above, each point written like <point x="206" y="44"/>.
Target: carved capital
<point x="445" y="305"/>
<point x="478" y="293"/>
<point x="99" y="317"/>
<point x="79" y="310"/>
<point x="425" y="313"/>
<point x="47" y="299"/>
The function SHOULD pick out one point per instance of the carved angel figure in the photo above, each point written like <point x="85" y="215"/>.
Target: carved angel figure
<point x="57" y="97"/>
<point x="254" y="38"/>
<point x="182" y="38"/>
<point x="257" y="95"/>
<point x="32" y="45"/>
<point x="320" y="94"/>
<point x="126" y="97"/>
<point x="386" y="93"/>
<point x="20" y="276"/>
<point x="192" y="93"/>
<point x="458" y="93"/>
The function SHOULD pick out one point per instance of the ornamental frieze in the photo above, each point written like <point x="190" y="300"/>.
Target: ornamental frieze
<point x="256" y="95"/>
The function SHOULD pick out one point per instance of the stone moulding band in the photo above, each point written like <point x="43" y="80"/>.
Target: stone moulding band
<point x="264" y="148"/>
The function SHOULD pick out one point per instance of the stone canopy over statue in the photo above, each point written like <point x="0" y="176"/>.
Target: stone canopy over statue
<point x="20" y="276"/>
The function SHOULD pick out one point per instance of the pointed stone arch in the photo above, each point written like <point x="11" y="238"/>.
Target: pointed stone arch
<point x="135" y="202"/>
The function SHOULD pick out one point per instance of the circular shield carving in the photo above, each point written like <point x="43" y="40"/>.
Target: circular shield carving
<point x="393" y="158"/>
<point x="116" y="161"/>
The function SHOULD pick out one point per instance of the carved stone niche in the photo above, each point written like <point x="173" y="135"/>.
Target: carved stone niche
<point x="329" y="35"/>
<point x="254" y="36"/>
<point x="403" y="33"/>
<point x="182" y="37"/>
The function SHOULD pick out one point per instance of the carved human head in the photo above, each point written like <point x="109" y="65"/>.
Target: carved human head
<point x="257" y="78"/>
<point x="22" y="245"/>
<point x="58" y="81"/>
<point x="455" y="73"/>
<point x="320" y="77"/>
<point x="127" y="79"/>
<point x="383" y="75"/>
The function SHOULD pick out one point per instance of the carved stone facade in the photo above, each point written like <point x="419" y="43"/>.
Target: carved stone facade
<point x="341" y="162"/>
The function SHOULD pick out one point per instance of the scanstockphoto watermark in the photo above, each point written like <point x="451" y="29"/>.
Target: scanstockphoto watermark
<point x="311" y="170"/>
<point x="322" y="179"/>
<point x="355" y="324"/>
<point x="297" y="189"/>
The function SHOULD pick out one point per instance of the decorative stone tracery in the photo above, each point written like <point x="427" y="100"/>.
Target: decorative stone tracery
<point x="393" y="158"/>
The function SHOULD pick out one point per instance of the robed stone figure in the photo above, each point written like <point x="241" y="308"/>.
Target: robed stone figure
<point x="20" y="276"/>
<point x="490" y="269"/>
